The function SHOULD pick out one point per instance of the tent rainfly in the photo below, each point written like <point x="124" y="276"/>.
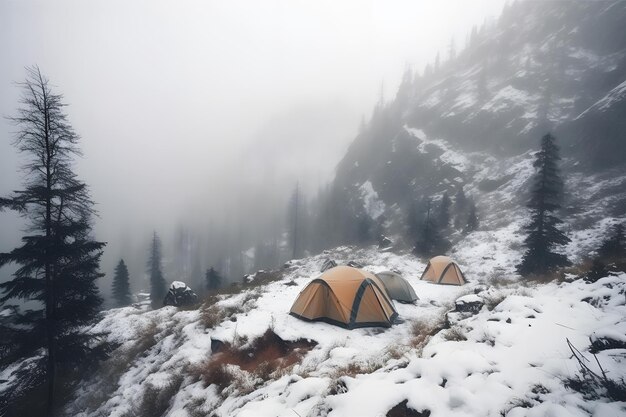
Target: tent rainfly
<point x="443" y="270"/>
<point x="346" y="297"/>
<point x="397" y="287"/>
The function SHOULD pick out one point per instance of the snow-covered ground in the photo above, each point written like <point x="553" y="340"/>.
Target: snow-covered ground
<point x="515" y="353"/>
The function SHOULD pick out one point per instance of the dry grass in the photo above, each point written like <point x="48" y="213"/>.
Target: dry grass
<point x="261" y="279"/>
<point x="120" y="361"/>
<point x="356" y="368"/>
<point x="581" y="269"/>
<point x="212" y="315"/>
<point x="523" y="292"/>
<point x="454" y="334"/>
<point x="422" y="331"/>
<point x="488" y="339"/>
<point x="558" y="276"/>
<point x="156" y="400"/>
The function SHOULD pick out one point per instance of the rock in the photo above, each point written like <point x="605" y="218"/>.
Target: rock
<point x="384" y="242"/>
<point x="328" y="263"/>
<point x="180" y="295"/>
<point x="470" y="303"/>
<point x="354" y="264"/>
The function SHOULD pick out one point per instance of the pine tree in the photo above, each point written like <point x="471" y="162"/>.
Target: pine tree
<point x="430" y="241"/>
<point x="460" y="208"/>
<point x="213" y="280"/>
<point x="598" y="270"/>
<point x="158" y="286"/>
<point x="472" y="218"/>
<point x="412" y="221"/>
<point x="543" y="234"/>
<point x="59" y="260"/>
<point x="614" y="246"/>
<point x="121" y="285"/>
<point x="452" y="50"/>
<point x="611" y="255"/>
<point x="295" y="222"/>
<point x="443" y="217"/>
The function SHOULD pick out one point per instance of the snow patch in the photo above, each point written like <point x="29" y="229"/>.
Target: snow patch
<point x="373" y="206"/>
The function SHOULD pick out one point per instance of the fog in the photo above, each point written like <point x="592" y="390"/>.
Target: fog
<point x="198" y="118"/>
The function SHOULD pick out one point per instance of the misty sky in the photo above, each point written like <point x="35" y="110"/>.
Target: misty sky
<point x="190" y="109"/>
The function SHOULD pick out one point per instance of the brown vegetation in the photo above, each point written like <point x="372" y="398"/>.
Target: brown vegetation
<point x="422" y="331"/>
<point x="266" y="357"/>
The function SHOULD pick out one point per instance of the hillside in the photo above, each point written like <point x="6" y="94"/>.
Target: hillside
<point x="542" y="67"/>
<point x="510" y="357"/>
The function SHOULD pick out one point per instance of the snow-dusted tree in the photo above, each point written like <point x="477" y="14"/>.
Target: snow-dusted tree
<point x="213" y="280"/>
<point x="611" y="255"/>
<point x="158" y="286"/>
<point x="58" y="261"/>
<point x="121" y="285"/>
<point x="443" y="215"/>
<point x="614" y="246"/>
<point x="460" y="208"/>
<point x="482" y="91"/>
<point x="598" y="270"/>
<point x="472" y="218"/>
<point x="452" y="50"/>
<point x="296" y="217"/>
<point x="543" y="235"/>
<point x="430" y="241"/>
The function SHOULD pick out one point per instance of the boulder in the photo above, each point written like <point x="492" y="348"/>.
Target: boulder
<point x="464" y="307"/>
<point x="328" y="263"/>
<point x="354" y="264"/>
<point x="470" y="303"/>
<point x="384" y="242"/>
<point x="180" y="295"/>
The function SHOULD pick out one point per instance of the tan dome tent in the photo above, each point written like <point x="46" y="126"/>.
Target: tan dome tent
<point x="443" y="270"/>
<point x="346" y="297"/>
<point x="397" y="287"/>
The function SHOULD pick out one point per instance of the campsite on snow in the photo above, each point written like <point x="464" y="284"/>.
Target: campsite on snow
<point x="194" y="223"/>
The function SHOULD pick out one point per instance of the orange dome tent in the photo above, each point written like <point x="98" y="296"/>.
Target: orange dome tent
<point x="443" y="270"/>
<point x="346" y="297"/>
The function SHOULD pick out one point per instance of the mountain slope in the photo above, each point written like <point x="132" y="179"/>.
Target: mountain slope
<point x="544" y="66"/>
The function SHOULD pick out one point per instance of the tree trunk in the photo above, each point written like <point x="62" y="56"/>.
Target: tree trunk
<point x="49" y="268"/>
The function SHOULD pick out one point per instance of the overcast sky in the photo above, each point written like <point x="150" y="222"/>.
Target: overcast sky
<point x="185" y="105"/>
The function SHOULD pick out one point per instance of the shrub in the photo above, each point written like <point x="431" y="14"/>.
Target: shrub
<point x="156" y="400"/>
<point x="591" y="384"/>
<point x="422" y="331"/>
<point x="454" y="334"/>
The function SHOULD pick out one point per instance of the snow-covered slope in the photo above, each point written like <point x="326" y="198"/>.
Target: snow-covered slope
<point x="512" y="354"/>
